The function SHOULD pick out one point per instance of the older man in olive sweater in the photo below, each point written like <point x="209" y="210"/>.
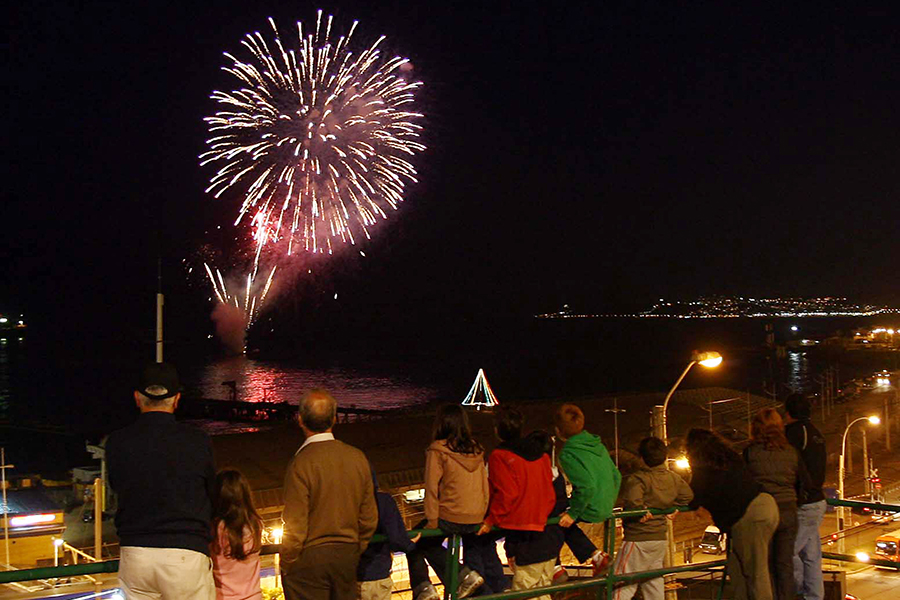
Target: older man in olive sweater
<point x="329" y="509"/>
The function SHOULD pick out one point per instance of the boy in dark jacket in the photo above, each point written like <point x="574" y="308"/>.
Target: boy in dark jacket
<point x="645" y="537"/>
<point x="522" y="496"/>
<point x="374" y="570"/>
<point x="594" y="477"/>
<point x="527" y="548"/>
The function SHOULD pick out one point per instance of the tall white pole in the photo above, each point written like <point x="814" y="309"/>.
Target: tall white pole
<point x="159" y="313"/>
<point x="159" y="328"/>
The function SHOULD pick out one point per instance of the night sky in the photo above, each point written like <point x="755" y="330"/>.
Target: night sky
<point x="600" y="157"/>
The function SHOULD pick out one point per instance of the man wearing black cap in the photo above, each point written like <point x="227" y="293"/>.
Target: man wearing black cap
<point x="163" y="474"/>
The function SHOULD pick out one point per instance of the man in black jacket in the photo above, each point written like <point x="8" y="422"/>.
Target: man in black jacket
<point x="163" y="474"/>
<point x="803" y="435"/>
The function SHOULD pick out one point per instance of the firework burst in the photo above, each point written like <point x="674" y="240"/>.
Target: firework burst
<point x="317" y="138"/>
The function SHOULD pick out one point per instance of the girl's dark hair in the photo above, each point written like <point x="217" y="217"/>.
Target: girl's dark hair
<point x="233" y="507"/>
<point x="768" y="429"/>
<point x="705" y="448"/>
<point x="509" y="424"/>
<point x="452" y="424"/>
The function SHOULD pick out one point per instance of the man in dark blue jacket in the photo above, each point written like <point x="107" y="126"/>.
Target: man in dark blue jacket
<point x="803" y="435"/>
<point x="162" y="472"/>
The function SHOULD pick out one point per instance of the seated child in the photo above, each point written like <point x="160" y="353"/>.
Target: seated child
<point x="645" y="537"/>
<point x="594" y="477"/>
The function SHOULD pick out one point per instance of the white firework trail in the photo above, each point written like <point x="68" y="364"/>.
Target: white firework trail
<point x="249" y="301"/>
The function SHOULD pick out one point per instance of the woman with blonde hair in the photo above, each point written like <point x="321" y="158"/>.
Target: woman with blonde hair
<point x="777" y="467"/>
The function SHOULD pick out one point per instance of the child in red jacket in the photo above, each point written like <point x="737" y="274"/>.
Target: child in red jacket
<point x="522" y="495"/>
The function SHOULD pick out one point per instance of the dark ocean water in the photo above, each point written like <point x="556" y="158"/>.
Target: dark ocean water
<point x="83" y="386"/>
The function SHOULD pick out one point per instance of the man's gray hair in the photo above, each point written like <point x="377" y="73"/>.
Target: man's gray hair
<point x="147" y="402"/>
<point x="318" y="410"/>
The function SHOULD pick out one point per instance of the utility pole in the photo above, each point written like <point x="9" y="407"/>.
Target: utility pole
<point x="887" y="424"/>
<point x="98" y="520"/>
<point x="616" y="410"/>
<point x="865" y="461"/>
<point x="3" y="468"/>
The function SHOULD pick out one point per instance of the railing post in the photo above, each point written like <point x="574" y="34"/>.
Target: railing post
<point x="452" y="572"/>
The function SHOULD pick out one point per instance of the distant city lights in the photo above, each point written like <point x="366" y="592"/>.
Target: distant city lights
<point x="740" y="307"/>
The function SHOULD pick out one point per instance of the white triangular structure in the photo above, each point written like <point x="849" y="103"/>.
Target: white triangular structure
<point x="481" y="394"/>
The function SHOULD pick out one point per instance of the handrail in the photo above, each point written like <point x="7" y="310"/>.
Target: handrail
<point x="111" y="566"/>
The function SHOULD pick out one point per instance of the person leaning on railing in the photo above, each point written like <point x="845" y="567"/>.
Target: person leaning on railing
<point x="522" y="497"/>
<point x="723" y="485"/>
<point x="594" y="477"/>
<point x="644" y="547"/>
<point x="777" y="467"/>
<point x="163" y="474"/>
<point x="456" y="500"/>
<point x="810" y="443"/>
<point x="374" y="570"/>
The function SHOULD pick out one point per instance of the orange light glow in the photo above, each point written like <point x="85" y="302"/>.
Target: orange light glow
<point x="31" y="520"/>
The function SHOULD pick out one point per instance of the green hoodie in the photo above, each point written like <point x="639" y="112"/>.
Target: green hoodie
<point x="594" y="477"/>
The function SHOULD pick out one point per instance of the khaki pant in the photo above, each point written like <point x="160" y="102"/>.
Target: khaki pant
<point x="165" y="574"/>
<point x="536" y="575"/>
<point x="647" y="555"/>
<point x="380" y="589"/>
<point x="748" y="559"/>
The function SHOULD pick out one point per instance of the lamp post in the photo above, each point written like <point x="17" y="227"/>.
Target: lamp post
<point x="709" y="360"/>
<point x="874" y="420"/>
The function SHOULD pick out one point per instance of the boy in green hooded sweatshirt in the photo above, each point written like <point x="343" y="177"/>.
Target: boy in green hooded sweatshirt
<point x="594" y="477"/>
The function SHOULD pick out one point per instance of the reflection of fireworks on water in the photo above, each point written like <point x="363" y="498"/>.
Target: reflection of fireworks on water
<point x="316" y="137"/>
<point x="248" y="301"/>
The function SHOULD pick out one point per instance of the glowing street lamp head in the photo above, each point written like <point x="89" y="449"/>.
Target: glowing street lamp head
<point x="708" y="359"/>
<point x="874" y="420"/>
<point x="862" y="557"/>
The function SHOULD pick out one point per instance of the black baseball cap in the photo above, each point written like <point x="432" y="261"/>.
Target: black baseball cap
<point x="161" y="375"/>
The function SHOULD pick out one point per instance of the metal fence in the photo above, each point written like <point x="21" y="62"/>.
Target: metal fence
<point x="602" y="586"/>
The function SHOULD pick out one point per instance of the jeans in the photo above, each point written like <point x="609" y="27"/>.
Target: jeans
<point x="808" y="551"/>
<point x="475" y="549"/>
<point x="781" y="554"/>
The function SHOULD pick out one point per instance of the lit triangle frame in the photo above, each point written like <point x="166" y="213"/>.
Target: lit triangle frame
<point x="486" y="398"/>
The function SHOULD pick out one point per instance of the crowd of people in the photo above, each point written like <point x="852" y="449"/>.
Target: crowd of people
<point x="188" y="532"/>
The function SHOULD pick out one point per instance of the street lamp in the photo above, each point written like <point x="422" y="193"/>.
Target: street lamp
<point x="874" y="420"/>
<point x="710" y="360"/>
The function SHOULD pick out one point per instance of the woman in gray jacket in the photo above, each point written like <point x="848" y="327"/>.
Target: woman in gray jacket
<point x="777" y="467"/>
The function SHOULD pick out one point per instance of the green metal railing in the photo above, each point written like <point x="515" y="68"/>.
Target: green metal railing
<point x="603" y="585"/>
